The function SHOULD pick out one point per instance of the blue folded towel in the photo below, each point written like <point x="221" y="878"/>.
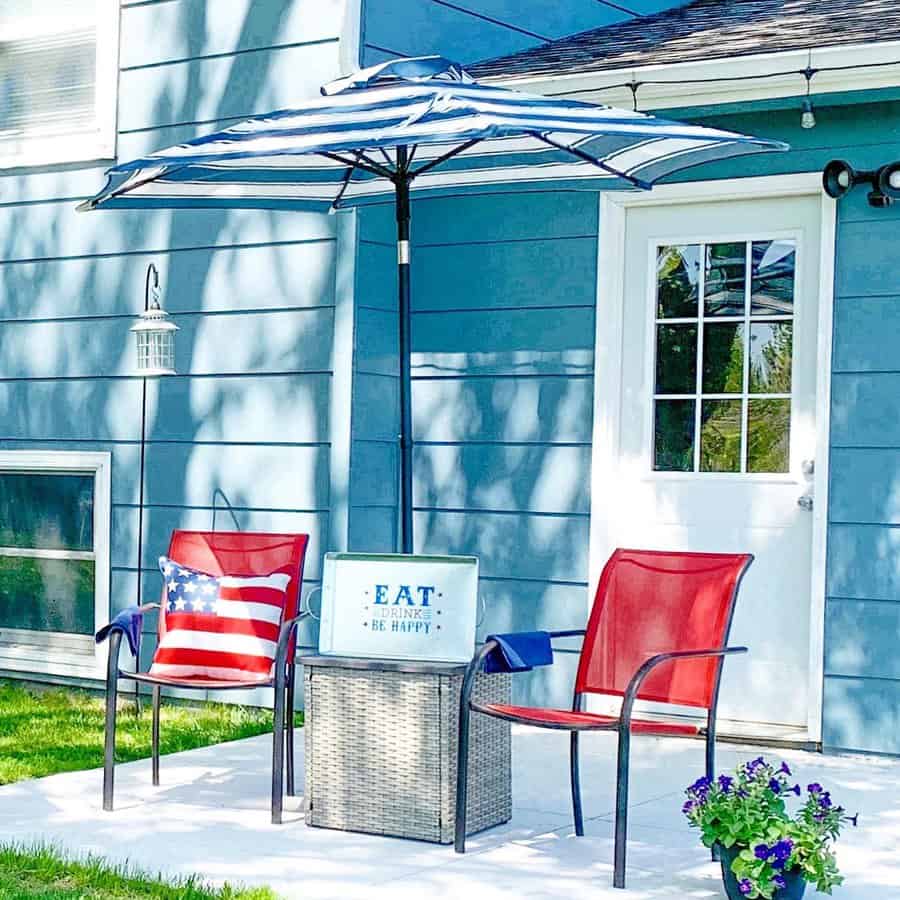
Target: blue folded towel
<point x="129" y="623"/>
<point x="519" y="652"/>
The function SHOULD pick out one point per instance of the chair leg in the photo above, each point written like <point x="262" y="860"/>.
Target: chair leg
<point x="575" y="774"/>
<point x="278" y="747"/>
<point x="154" y="734"/>
<point x="109" y="743"/>
<point x="289" y="716"/>
<point x="711" y="762"/>
<point x="462" y="778"/>
<point x="621" y="807"/>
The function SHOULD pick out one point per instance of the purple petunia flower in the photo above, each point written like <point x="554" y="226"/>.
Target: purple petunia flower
<point x="751" y="767"/>
<point x="785" y="768"/>
<point x="779" y="882"/>
<point x="853" y="820"/>
<point x="796" y="789"/>
<point x="699" y="790"/>
<point x="725" y="783"/>
<point x="781" y="853"/>
<point x="688" y="807"/>
<point x="814" y="788"/>
<point x="825" y="800"/>
<point x="745" y="887"/>
<point x="761" y="851"/>
<point x="774" y="786"/>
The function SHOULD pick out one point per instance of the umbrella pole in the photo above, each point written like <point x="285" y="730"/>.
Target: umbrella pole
<point x="406" y="476"/>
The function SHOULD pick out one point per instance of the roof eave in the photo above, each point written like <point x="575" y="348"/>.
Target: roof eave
<point x="705" y="82"/>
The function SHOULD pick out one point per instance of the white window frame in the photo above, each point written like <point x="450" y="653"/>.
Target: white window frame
<point x="82" y="146"/>
<point x="73" y="655"/>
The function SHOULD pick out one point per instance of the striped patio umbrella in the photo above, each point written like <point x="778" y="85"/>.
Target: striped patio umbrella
<point x="417" y="125"/>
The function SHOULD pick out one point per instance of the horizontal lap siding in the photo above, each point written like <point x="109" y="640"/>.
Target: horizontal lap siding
<point x="862" y="678"/>
<point x="374" y="451"/>
<point x="503" y="325"/>
<point x="240" y="437"/>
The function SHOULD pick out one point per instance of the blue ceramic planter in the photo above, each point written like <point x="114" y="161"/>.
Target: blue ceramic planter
<point x="794" y="889"/>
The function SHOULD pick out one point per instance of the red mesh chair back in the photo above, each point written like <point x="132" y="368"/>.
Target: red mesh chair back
<point x="650" y="602"/>
<point x="242" y="553"/>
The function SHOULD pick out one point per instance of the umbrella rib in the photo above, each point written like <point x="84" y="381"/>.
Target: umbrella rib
<point x="444" y="157"/>
<point x="345" y="183"/>
<point x="637" y="182"/>
<point x="362" y="162"/>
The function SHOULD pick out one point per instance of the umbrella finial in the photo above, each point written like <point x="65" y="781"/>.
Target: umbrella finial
<point x="413" y="68"/>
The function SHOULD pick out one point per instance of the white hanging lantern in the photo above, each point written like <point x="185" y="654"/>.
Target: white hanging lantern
<point x="155" y="333"/>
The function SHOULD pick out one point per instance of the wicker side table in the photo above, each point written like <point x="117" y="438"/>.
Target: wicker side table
<point x="381" y="740"/>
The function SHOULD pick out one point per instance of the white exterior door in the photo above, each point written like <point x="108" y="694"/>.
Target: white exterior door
<point x="708" y="433"/>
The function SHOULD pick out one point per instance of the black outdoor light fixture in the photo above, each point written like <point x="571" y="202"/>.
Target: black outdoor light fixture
<point x="839" y="178"/>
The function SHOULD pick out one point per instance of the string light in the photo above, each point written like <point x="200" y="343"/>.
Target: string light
<point x="808" y="118"/>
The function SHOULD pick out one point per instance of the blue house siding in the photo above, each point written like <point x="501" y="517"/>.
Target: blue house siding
<point x="374" y="460"/>
<point x="469" y="30"/>
<point x="242" y="435"/>
<point x="862" y="683"/>
<point x="503" y="330"/>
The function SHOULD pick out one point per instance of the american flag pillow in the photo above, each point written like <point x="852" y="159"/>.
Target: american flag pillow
<point x="221" y="627"/>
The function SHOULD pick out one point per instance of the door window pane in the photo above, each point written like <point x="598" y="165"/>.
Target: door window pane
<point x="771" y="357"/>
<point x="769" y="436"/>
<point x="47" y="594"/>
<point x="736" y="298"/>
<point x="723" y="358"/>
<point x="50" y="512"/>
<point x="677" y="281"/>
<point x="720" y="435"/>
<point x="726" y="279"/>
<point x="676" y="359"/>
<point x="772" y="288"/>
<point x="674" y="436"/>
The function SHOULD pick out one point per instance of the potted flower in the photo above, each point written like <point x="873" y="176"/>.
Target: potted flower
<point x="765" y="850"/>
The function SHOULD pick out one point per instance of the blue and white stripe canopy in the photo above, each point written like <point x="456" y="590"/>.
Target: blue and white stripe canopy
<point x="459" y="137"/>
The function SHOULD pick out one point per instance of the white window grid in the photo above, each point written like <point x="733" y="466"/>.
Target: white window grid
<point x="699" y="395"/>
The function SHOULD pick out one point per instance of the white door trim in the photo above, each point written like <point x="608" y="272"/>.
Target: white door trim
<point x="608" y="374"/>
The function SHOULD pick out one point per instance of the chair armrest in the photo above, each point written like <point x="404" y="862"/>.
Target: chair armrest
<point x="571" y="632"/>
<point x="472" y="670"/>
<point x="637" y="679"/>
<point x="482" y="652"/>
<point x="288" y="629"/>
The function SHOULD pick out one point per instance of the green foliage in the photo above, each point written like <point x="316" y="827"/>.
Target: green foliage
<point x="61" y="730"/>
<point x="42" y="873"/>
<point x="748" y="811"/>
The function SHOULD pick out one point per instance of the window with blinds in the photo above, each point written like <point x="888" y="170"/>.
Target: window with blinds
<point x="57" y="80"/>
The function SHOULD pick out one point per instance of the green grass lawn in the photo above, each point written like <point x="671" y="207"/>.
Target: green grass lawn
<point x="43" y="874"/>
<point x="44" y="731"/>
<point x="49" y="730"/>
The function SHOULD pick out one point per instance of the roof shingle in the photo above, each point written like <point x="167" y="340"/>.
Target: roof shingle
<point x="705" y="29"/>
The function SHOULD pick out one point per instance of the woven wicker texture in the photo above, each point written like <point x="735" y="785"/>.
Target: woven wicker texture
<point x="381" y="753"/>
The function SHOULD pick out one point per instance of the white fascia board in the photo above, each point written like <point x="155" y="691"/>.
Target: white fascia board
<point x="677" y="91"/>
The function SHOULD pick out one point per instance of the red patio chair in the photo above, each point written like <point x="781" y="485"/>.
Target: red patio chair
<point x="226" y="553"/>
<point x="658" y="631"/>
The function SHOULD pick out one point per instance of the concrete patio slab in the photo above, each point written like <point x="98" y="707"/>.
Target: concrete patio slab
<point x="210" y="817"/>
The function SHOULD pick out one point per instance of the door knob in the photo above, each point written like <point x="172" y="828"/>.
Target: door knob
<point x="805" y="502"/>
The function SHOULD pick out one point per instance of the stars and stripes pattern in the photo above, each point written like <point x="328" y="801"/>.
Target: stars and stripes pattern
<point x="223" y="628"/>
<point x="463" y="137"/>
